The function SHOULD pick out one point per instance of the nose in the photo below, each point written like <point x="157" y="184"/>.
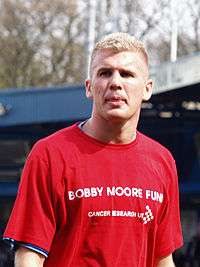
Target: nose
<point x="115" y="81"/>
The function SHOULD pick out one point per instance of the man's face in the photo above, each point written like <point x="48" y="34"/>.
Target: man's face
<point x="118" y="85"/>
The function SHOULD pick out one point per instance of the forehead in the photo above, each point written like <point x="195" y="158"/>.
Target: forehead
<point x="124" y="59"/>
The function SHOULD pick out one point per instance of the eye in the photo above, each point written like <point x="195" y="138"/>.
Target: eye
<point x="105" y="73"/>
<point x="126" y="74"/>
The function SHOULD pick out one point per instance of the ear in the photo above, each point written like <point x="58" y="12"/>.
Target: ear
<point x="88" y="90"/>
<point x="148" y="90"/>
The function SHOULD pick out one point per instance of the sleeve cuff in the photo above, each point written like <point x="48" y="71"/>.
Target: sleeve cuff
<point x="15" y="244"/>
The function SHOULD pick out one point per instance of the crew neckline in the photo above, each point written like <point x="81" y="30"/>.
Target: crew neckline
<point x="99" y="143"/>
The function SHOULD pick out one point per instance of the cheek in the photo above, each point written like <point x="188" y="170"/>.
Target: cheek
<point x="135" y="92"/>
<point x="135" y="97"/>
<point x="99" y="89"/>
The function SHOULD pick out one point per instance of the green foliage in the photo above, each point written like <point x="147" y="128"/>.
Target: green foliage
<point x="39" y="43"/>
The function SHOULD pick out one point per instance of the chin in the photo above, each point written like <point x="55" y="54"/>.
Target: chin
<point x="115" y="117"/>
<point x="119" y="116"/>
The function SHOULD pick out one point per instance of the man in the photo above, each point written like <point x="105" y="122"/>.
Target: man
<point x="100" y="193"/>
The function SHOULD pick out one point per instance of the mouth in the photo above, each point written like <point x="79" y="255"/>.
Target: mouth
<point x="115" y="99"/>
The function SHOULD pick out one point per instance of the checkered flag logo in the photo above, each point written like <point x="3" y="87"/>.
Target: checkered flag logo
<point x="148" y="215"/>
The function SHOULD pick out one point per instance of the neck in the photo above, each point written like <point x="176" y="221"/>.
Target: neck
<point x="109" y="131"/>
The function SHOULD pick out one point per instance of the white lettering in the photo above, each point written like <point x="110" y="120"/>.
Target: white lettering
<point x="111" y="191"/>
<point x="154" y="195"/>
<point x="71" y="195"/>
<point x="101" y="213"/>
<point x="100" y="190"/>
<point x="127" y="191"/>
<point x="79" y="193"/>
<point x="119" y="191"/>
<point x="85" y="192"/>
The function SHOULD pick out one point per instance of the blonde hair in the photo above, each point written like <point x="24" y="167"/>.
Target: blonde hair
<point x="118" y="42"/>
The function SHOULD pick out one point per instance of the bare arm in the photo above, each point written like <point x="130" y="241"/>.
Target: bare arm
<point x="26" y="258"/>
<point x="166" y="262"/>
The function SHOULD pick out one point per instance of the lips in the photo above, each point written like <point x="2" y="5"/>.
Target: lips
<point x="115" y="99"/>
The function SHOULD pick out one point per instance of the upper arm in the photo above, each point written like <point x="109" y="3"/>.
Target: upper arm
<point x="27" y="258"/>
<point x="165" y="262"/>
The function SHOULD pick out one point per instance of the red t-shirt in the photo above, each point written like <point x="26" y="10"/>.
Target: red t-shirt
<point x="93" y="204"/>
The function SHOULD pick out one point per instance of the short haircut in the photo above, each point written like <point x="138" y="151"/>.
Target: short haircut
<point x="118" y="42"/>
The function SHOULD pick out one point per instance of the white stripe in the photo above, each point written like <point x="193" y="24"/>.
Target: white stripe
<point x="34" y="249"/>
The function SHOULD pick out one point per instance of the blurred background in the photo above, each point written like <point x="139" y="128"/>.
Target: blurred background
<point x="44" y="54"/>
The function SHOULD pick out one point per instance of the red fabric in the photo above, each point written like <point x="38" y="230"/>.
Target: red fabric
<point x="94" y="204"/>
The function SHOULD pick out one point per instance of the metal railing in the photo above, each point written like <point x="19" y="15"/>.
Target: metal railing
<point x="173" y="75"/>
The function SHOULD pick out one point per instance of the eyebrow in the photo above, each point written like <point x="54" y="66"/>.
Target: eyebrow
<point x="120" y="69"/>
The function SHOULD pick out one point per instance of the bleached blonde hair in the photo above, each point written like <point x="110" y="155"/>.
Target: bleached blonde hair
<point x="118" y="42"/>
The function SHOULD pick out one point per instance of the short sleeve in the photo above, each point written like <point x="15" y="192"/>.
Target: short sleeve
<point x="169" y="233"/>
<point x="33" y="219"/>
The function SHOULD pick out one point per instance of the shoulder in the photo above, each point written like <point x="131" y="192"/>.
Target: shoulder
<point x="55" y="144"/>
<point x="64" y="135"/>
<point x="61" y="137"/>
<point x="159" y="157"/>
<point x="154" y="147"/>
